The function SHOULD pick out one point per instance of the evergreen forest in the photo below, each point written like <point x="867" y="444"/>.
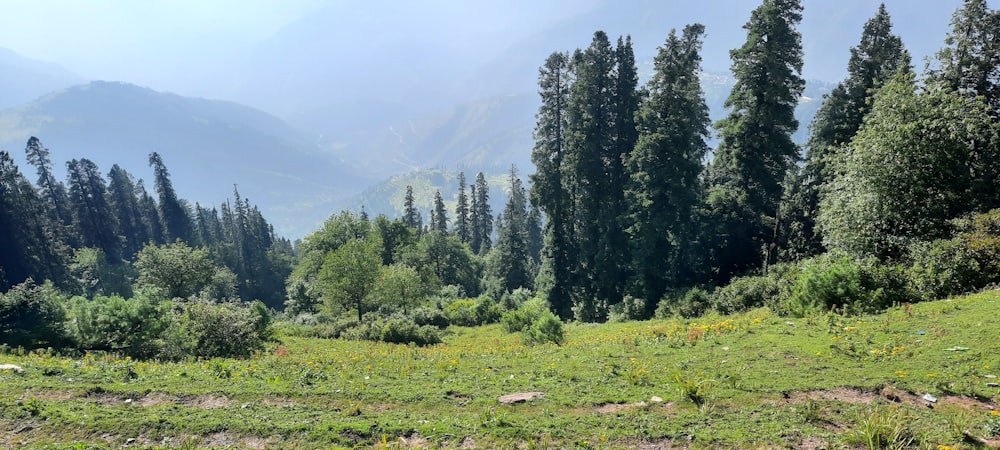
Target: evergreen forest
<point x="629" y="213"/>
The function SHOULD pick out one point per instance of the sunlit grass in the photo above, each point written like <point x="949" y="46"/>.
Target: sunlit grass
<point x="728" y="381"/>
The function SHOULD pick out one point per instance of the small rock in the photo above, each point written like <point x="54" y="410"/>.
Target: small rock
<point x="725" y="349"/>
<point x="128" y="400"/>
<point x="129" y="441"/>
<point x="656" y="399"/>
<point x="929" y="398"/>
<point x="519" y="397"/>
<point x="989" y="376"/>
<point x="992" y="384"/>
<point x="791" y="324"/>
<point x="13" y="367"/>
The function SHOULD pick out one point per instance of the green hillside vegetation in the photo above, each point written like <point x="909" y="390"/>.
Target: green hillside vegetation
<point x="640" y="288"/>
<point x="749" y="380"/>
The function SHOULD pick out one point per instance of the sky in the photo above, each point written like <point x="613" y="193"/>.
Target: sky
<point x="173" y="45"/>
<point x="134" y="39"/>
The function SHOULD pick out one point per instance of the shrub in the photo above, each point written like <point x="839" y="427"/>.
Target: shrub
<point x="430" y="316"/>
<point x="943" y="268"/>
<point x="112" y="323"/>
<point x="825" y="281"/>
<point x="216" y="330"/>
<point x="463" y="312"/>
<point x="689" y="303"/>
<point x="32" y="316"/>
<point x="517" y="320"/>
<point x="630" y="308"/>
<point x="745" y="293"/>
<point x="397" y="329"/>
<point x="547" y="328"/>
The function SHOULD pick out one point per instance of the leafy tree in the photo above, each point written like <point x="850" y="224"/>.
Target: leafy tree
<point x="906" y="173"/>
<point x="756" y="150"/>
<point x="349" y="274"/>
<point x="443" y="260"/>
<point x="174" y="270"/>
<point x="482" y="217"/>
<point x="874" y="61"/>
<point x="394" y="236"/>
<point x="97" y="276"/>
<point x="463" y="226"/>
<point x="398" y="286"/>
<point x="32" y="316"/>
<point x="551" y="182"/>
<point x="666" y="166"/>
<point x="439" y="215"/>
<point x="93" y="218"/>
<point x="176" y="221"/>
<point x="336" y="231"/>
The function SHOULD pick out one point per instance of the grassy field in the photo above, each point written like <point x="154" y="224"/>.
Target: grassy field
<point x="748" y="381"/>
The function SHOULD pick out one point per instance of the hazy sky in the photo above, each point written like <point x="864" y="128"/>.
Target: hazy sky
<point x="120" y="39"/>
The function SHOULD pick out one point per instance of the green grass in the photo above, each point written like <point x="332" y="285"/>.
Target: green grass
<point x="747" y="381"/>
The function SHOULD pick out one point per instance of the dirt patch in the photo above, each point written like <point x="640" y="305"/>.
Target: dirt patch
<point x="888" y="393"/>
<point x="209" y="401"/>
<point x="607" y="408"/>
<point x="812" y="443"/>
<point x="225" y="439"/>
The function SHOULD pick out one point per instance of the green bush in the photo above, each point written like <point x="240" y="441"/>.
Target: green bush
<point x="32" y="316"/>
<point x="112" y="323"/>
<point x="215" y="330"/>
<point x="943" y="268"/>
<point x="397" y="329"/>
<point x="547" y="328"/>
<point x="517" y="320"/>
<point x="430" y="316"/>
<point x="746" y="293"/>
<point x="824" y="282"/>
<point x="630" y="308"/>
<point x="689" y="303"/>
<point x="463" y="312"/>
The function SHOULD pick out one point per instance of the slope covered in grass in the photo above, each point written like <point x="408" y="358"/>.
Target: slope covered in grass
<point x="750" y="380"/>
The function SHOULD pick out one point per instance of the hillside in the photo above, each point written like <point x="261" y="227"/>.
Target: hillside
<point x="920" y="376"/>
<point x="208" y="147"/>
<point x="23" y="79"/>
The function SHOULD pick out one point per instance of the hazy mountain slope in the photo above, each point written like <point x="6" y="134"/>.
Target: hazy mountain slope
<point x="208" y="147"/>
<point x="24" y="79"/>
<point x="387" y="196"/>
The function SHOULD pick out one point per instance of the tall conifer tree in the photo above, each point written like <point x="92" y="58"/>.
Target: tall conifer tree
<point x="756" y="149"/>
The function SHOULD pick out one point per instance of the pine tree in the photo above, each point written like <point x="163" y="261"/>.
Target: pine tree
<point x="150" y="215"/>
<point x="756" y="149"/>
<point x="439" y="215"/>
<point x="551" y="182"/>
<point x="176" y="221"/>
<point x="666" y="167"/>
<point x="50" y="189"/>
<point x="482" y="217"/>
<point x="30" y="245"/>
<point x="970" y="64"/>
<point x="600" y="133"/>
<point x="509" y="261"/>
<point x="93" y="218"/>
<point x="410" y="214"/>
<point x="536" y="238"/>
<point x="124" y="200"/>
<point x="463" y="229"/>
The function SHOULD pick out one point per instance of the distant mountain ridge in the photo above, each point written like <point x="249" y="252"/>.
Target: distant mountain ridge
<point x="24" y="79"/>
<point x="208" y="146"/>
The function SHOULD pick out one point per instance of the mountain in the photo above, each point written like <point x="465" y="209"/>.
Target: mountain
<point x="23" y="79"/>
<point x="208" y="146"/>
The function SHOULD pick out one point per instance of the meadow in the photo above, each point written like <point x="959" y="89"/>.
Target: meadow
<point x="753" y="380"/>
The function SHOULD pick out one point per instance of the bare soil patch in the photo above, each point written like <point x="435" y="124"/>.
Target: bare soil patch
<point x="889" y="393"/>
